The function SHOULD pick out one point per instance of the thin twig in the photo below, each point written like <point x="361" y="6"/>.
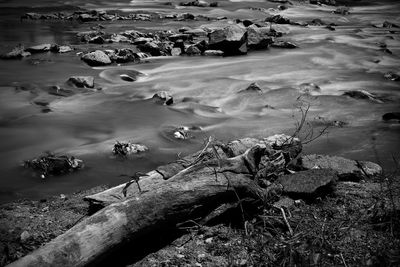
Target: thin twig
<point x="286" y="221"/>
<point x="344" y="262"/>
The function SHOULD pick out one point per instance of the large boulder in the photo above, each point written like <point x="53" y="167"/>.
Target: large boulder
<point x="82" y="81"/>
<point x="347" y="169"/>
<point x="258" y="38"/>
<point x="96" y="58"/>
<point x="232" y="40"/>
<point x="309" y="183"/>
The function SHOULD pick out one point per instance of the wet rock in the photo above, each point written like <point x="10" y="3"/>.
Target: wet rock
<point x="96" y="58"/>
<point x="58" y="91"/>
<point x="150" y="47"/>
<point x="343" y="10"/>
<point x="192" y="50"/>
<point x="87" y="35"/>
<point x="39" y="48"/>
<point x="197" y="32"/>
<point x="97" y="40"/>
<point x="182" y="133"/>
<point x="232" y="40"/>
<point x="17" y="53"/>
<point x="392" y="76"/>
<point x="55" y="48"/>
<point x="87" y="17"/>
<point x="391" y="116"/>
<point x="164" y="98"/>
<point x="194" y="3"/>
<point x="278" y="19"/>
<point x="321" y="121"/>
<point x="124" y="55"/>
<point x="182" y="36"/>
<point x="176" y="51"/>
<point x="284" y="44"/>
<point x="347" y="169"/>
<point x="82" y="81"/>
<point x="127" y="148"/>
<point x="118" y="38"/>
<point x="127" y="78"/>
<point x="317" y="22"/>
<point x="253" y="87"/>
<point x="362" y="94"/>
<point x="258" y="37"/>
<point x="308" y="88"/>
<point x="311" y="183"/>
<point x="388" y="24"/>
<point x="213" y="53"/>
<point x="51" y="164"/>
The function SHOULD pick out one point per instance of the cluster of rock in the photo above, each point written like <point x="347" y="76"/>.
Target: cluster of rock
<point x="95" y="15"/>
<point x="20" y="51"/>
<point x="235" y="39"/>
<point x="198" y="3"/>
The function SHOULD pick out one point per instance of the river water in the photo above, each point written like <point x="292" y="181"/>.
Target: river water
<point x="206" y="93"/>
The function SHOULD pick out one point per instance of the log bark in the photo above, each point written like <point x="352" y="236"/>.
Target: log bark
<point x="192" y="193"/>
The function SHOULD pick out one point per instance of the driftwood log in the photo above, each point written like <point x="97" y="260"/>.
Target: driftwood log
<point x="191" y="193"/>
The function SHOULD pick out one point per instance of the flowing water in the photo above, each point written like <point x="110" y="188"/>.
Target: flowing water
<point x="206" y="93"/>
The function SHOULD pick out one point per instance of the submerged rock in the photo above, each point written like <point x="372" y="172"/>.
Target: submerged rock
<point x="96" y="58"/>
<point x="253" y="87"/>
<point x="309" y="183"/>
<point x="392" y="76"/>
<point x="55" y="48"/>
<point x="347" y="169"/>
<point x="362" y="94"/>
<point x="164" y="98"/>
<point x="343" y="10"/>
<point x="213" y="53"/>
<point x="232" y="40"/>
<point x="391" y="116"/>
<point x="307" y="88"/>
<point x="284" y="44"/>
<point x="82" y="81"/>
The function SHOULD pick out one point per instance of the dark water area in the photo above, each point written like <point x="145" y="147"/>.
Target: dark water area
<point x="205" y="91"/>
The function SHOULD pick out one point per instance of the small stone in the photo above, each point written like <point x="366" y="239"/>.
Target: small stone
<point x="164" y="97"/>
<point x="213" y="53"/>
<point x="25" y="236"/>
<point x="209" y="240"/>
<point x="82" y="81"/>
<point x="62" y="196"/>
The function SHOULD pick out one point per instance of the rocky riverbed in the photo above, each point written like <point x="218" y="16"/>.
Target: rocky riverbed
<point x="120" y="87"/>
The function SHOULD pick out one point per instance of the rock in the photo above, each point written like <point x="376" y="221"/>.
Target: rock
<point x="278" y="141"/>
<point x="192" y="50"/>
<point x="86" y="36"/>
<point x="362" y="94"/>
<point x="54" y="164"/>
<point x="391" y="116"/>
<point x="392" y="76"/>
<point x="258" y="38"/>
<point x="238" y="147"/>
<point x="202" y="45"/>
<point x="142" y="40"/>
<point x="82" y="81"/>
<point x="118" y="38"/>
<point x="347" y="169"/>
<point x="307" y="88"/>
<point x="128" y="148"/>
<point x="278" y="19"/>
<point x="388" y="24"/>
<point x="182" y="133"/>
<point x="55" y="48"/>
<point x="39" y="48"/>
<point x="197" y="32"/>
<point x="309" y="183"/>
<point x="176" y="51"/>
<point x="24" y="236"/>
<point x="87" y="17"/>
<point x="127" y="78"/>
<point x="253" y="87"/>
<point x="343" y="10"/>
<point x="164" y="97"/>
<point x="17" y="53"/>
<point x="182" y="36"/>
<point x="232" y="40"/>
<point x="58" y="91"/>
<point x="150" y="47"/>
<point x="320" y="121"/>
<point x="213" y="53"/>
<point x="317" y="22"/>
<point x="97" y="40"/>
<point x="96" y="58"/>
<point x="284" y="44"/>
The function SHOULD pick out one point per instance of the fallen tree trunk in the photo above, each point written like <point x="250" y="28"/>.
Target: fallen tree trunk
<point x="192" y="193"/>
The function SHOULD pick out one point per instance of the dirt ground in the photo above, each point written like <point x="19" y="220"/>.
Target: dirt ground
<point x="355" y="225"/>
